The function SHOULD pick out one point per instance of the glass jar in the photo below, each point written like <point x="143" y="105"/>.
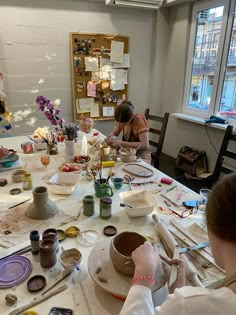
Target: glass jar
<point x="34" y="239"/>
<point x="27" y="181"/>
<point x="48" y="255"/>
<point x="88" y="205"/>
<point x="105" y="207"/>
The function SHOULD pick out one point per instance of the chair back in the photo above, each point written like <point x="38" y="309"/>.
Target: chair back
<point x="159" y="133"/>
<point x="227" y="150"/>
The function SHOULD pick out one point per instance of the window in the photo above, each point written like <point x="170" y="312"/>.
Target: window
<point x="210" y="86"/>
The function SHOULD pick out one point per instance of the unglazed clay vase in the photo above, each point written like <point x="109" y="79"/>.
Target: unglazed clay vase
<point x="121" y="248"/>
<point x="41" y="208"/>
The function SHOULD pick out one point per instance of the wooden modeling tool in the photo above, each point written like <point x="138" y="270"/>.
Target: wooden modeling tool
<point x="38" y="300"/>
<point x="56" y="283"/>
<point x="168" y="240"/>
<point x="174" y="267"/>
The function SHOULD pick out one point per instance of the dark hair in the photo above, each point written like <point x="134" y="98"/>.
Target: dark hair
<point x="221" y="209"/>
<point x="124" y="112"/>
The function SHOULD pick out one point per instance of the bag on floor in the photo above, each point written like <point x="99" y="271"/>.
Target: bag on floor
<point x="192" y="161"/>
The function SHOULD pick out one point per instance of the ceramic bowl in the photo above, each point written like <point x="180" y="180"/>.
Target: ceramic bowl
<point x="121" y="249"/>
<point x="70" y="259"/>
<point x="69" y="178"/>
<point x="17" y="176"/>
<point x="60" y="189"/>
<point x="142" y="202"/>
<point x="127" y="155"/>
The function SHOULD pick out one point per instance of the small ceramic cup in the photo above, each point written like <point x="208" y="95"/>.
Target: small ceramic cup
<point x="27" y="147"/>
<point x="102" y="188"/>
<point x="117" y="182"/>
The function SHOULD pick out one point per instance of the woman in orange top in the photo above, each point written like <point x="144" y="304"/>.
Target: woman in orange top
<point x="135" y="131"/>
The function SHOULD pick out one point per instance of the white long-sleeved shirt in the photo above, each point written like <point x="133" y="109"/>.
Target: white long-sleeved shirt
<point x="184" y="301"/>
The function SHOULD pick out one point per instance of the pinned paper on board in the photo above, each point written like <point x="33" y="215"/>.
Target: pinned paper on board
<point x="91" y="64"/>
<point x="108" y="111"/>
<point x="94" y="110"/>
<point x="95" y="76"/>
<point x="124" y="64"/>
<point x="78" y="109"/>
<point x="118" y="79"/>
<point x="91" y="89"/>
<point x="105" y="62"/>
<point x="117" y="51"/>
<point x="105" y="72"/>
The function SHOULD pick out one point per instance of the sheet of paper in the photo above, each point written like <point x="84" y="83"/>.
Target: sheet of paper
<point x="95" y="76"/>
<point x="105" y="72"/>
<point x="105" y="62"/>
<point x="91" y="89"/>
<point x="117" y="51"/>
<point x="86" y="105"/>
<point x="124" y="64"/>
<point x="91" y="64"/>
<point x="94" y="110"/>
<point x="118" y="79"/>
<point x="108" y="111"/>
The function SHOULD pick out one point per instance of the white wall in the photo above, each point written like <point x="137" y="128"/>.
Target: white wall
<point x="35" y="54"/>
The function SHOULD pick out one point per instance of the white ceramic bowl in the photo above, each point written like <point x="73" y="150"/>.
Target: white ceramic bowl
<point x="142" y="202"/>
<point x="60" y="189"/>
<point x="69" y="178"/>
<point x="127" y="155"/>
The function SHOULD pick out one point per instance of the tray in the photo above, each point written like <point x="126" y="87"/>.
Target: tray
<point x="14" y="270"/>
<point x="138" y="170"/>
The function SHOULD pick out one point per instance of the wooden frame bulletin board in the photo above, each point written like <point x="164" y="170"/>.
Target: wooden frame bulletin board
<point x="98" y="84"/>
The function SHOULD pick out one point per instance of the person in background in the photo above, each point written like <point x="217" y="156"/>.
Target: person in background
<point x="186" y="300"/>
<point x="135" y="131"/>
<point x="3" y="153"/>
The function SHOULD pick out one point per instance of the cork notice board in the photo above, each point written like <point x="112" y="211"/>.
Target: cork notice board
<point x="99" y="68"/>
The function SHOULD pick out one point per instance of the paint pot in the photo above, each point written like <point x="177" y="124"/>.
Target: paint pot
<point x="48" y="255"/>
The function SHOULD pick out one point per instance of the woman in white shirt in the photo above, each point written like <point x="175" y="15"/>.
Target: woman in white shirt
<point x="185" y="300"/>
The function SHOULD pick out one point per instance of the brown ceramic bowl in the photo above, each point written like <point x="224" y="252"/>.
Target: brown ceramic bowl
<point x="121" y="249"/>
<point x="17" y="176"/>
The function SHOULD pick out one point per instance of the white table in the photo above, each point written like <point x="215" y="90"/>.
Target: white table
<point x="99" y="301"/>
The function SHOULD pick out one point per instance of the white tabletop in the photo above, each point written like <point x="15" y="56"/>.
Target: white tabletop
<point x="90" y="298"/>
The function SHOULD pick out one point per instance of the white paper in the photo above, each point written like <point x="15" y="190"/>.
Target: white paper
<point x="108" y="111"/>
<point x="94" y="110"/>
<point x="91" y="64"/>
<point x="117" y="51"/>
<point x="95" y="76"/>
<point x="83" y="105"/>
<point x="105" y="72"/>
<point x="118" y="79"/>
<point x="105" y="62"/>
<point x="124" y="64"/>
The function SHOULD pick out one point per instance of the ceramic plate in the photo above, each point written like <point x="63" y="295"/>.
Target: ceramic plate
<point x="138" y="170"/>
<point x="14" y="270"/>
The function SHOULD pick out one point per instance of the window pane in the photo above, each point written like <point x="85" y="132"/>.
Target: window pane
<point x="228" y="96"/>
<point x="208" y="29"/>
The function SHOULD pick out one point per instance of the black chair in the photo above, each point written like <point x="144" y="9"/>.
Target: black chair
<point x="221" y="167"/>
<point x="156" y="146"/>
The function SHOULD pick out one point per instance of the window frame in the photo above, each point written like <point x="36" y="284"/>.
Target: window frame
<point x="221" y="57"/>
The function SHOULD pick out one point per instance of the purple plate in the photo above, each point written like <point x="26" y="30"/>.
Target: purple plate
<point x="14" y="270"/>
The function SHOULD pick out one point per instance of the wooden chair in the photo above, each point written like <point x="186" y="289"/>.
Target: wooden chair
<point x="221" y="167"/>
<point x="157" y="145"/>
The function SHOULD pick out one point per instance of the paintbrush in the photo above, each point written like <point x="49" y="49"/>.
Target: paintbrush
<point x="20" y="203"/>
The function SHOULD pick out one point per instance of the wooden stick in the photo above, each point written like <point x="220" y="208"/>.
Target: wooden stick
<point x="38" y="300"/>
<point x="56" y="283"/>
<point x="174" y="267"/>
<point x="168" y="238"/>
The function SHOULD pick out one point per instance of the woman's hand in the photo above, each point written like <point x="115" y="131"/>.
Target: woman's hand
<point x="4" y="153"/>
<point x="180" y="280"/>
<point x="113" y="143"/>
<point x="145" y="258"/>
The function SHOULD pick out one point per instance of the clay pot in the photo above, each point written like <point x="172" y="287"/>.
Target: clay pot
<point x="41" y="208"/>
<point x="121" y="248"/>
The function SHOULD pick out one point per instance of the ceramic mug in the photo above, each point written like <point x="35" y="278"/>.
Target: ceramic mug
<point x="27" y="147"/>
<point x="117" y="182"/>
<point x="102" y="188"/>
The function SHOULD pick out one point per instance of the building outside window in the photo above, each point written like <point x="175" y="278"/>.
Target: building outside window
<point x="210" y="86"/>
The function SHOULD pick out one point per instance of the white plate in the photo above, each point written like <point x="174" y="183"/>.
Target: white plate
<point x="60" y="189"/>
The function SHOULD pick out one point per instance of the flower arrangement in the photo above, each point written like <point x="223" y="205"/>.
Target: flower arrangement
<point x="52" y="113"/>
<point x="70" y="131"/>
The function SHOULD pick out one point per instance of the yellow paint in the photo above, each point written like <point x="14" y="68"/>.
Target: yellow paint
<point x="108" y="163"/>
<point x="31" y="312"/>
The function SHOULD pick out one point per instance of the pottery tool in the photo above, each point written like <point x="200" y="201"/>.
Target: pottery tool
<point x="129" y="179"/>
<point x="125" y="205"/>
<point x="86" y="299"/>
<point x="170" y="242"/>
<point x="174" y="267"/>
<point x="56" y="283"/>
<point x="75" y="295"/>
<point x="169" y="200"/>
<point x="38" y="300"/>
<point x="20" y="203"/>
<point x="188" y="234"/>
